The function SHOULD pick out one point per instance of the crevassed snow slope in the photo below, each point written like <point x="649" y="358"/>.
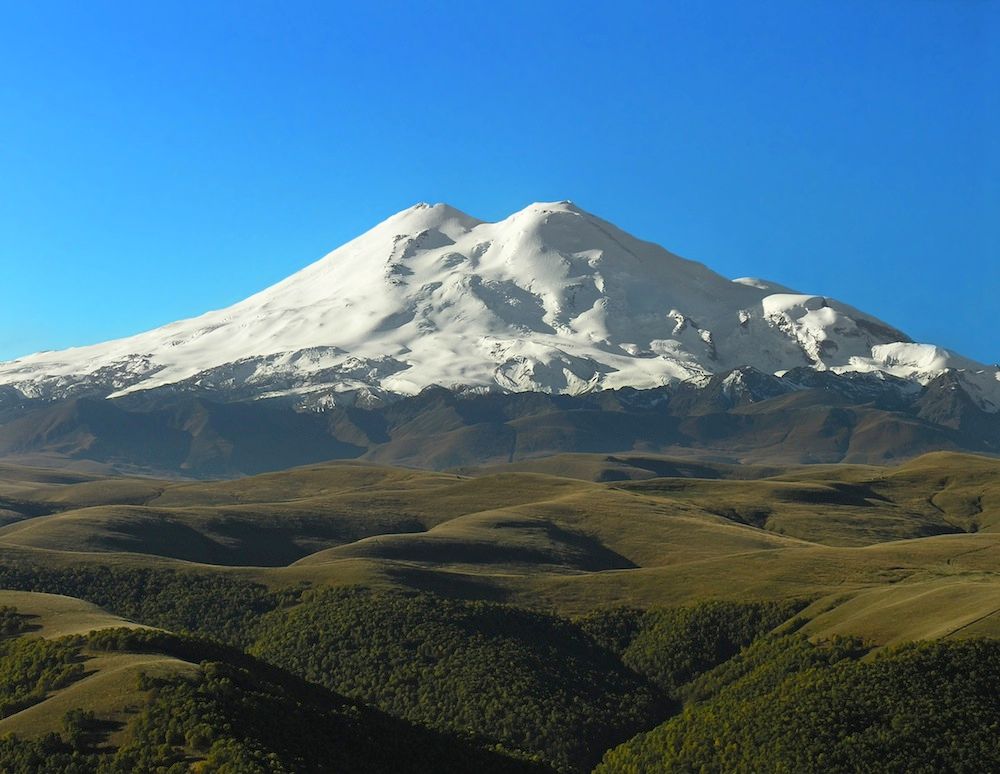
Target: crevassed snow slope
<point x="551" y="299"/>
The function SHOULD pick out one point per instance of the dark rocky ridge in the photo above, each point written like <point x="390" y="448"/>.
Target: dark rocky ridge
<point x="744" y="415"/>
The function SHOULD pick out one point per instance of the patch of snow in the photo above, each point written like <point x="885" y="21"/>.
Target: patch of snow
<point x="762" y="284"/>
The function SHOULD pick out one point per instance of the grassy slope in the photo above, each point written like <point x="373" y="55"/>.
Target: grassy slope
<point x="906" y="541"/>
<point x="109" y="685"/>
<point x="109" y="689"/>
<point x="55" y="615"/>
<point x="430" y="517"/>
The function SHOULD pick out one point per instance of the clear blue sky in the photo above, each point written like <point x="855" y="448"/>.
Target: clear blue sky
<point x="161" y="159"/>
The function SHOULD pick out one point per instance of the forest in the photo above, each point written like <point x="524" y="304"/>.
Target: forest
<point x="329" y="679"/>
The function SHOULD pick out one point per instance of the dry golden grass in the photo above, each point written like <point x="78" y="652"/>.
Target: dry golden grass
<point x="935" y="608"/>
<point x="897" y="548"/>
<point x="110" y="685"/>
<point x="109" y="689"/>
<point x="54" y="615"/>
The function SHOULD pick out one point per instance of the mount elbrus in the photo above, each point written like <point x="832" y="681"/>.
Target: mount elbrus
<point x="437" y="340"/>
<point x="551" y="299"/>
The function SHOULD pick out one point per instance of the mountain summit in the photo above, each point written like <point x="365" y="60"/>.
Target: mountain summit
<point x="550" y="299"/>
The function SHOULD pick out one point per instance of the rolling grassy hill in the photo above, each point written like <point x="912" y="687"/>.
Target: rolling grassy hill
<point x="530" y="536"/>
<point x="494" y="614"/>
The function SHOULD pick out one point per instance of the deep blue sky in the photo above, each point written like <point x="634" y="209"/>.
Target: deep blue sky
<point x="161" y="159"/>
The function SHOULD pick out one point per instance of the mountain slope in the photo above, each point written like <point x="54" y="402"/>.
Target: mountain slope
<point x="550" y="299"/>
<point x="744" y="415"/>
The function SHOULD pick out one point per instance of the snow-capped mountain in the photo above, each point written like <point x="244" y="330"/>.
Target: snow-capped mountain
<point x="550" y="299"/>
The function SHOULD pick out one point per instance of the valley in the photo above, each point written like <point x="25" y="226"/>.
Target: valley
<point x="555" y="595"/>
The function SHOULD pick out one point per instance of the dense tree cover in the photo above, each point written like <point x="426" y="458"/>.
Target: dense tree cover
<point x="672" y="646"/>
<point x="237" y="721"/>
<point x="243" y="717"/>
<point x="30" y="668"/>
<point x="49" y="755"/>
<point x="787" y="705"/>
<point x="770" y="660"/>
<point x="535" y="683"/>
<point x="82" y="728"/>
<point x="185" y="647"/>
<point x="215" y="605"/>
<point x="11" y="622"/>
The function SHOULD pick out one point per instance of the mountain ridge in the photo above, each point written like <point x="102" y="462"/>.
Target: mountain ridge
<point x="744" y="416"/>
<point x="550" y="299"/>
